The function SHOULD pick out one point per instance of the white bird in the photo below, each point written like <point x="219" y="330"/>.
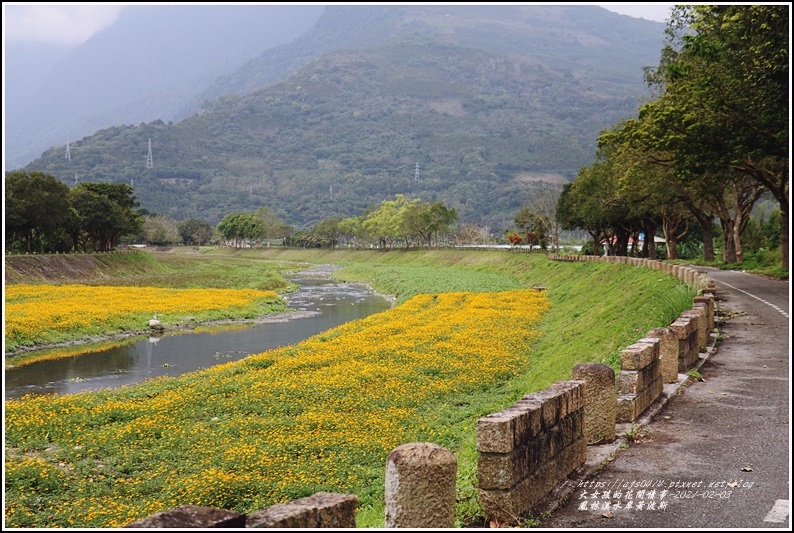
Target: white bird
<point x="154" y="322"/>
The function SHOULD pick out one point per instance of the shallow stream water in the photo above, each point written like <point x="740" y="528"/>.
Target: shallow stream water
<point x="321" y="304"/>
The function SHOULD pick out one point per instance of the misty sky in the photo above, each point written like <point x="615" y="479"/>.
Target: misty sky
<point x="71" y="24"/>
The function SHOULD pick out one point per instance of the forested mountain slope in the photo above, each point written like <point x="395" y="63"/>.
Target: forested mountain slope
<point x="465" y="104"/>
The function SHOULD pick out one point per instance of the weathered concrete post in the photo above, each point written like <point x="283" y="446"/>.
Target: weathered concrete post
<point x="189" y="516"/>
<point x="707" y="300"/>
<point x="640" y="380"/>
<point x="700" y="315"/>
<point x="600" y="401"/>
<point x="320" y="510"/>
<point x="668" y="352"/>
<point x="420" y="486"/>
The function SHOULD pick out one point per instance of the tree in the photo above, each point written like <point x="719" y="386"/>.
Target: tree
<point x="107" y="212"/>
<point x="160" y="230"/>
<point x="592" y="203"/>
<point x="351" y="229"/>
<point x="723" y="107"/>
<point x="272" y="225"/>
<point x="194" y="232"/>
<point x="425" y="221"/>
<point x="514" y="238"/>
<point x="36" y="205"/>
<point x="232" y="228"/>
<point x="327" y="232"/>
<point x="385" y="223"/>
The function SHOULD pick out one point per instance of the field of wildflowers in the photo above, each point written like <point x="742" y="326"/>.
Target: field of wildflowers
<point x="283" y="424"/>
<point x="319" y="416"/>
<point x="41" y="314"/>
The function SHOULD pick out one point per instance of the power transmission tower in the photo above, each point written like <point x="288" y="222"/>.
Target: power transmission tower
<point x="76" y="181"/>
<point x="68" y="152"/>
<point x="416" y="174"/>
<point x="149" y="161"/>
<point x="331" y="191"/>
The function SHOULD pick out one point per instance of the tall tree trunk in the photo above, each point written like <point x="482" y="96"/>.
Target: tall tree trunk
<point x="708" y="239"/>
<point x="729" y="246"/>
<point x="671" y="223"/>
<point x="784" y="235"/>
<point x="773" y="175"/>
<point x="707" y="225"/>
<point x="649" y="244"/>
<point x="596" y="241"/>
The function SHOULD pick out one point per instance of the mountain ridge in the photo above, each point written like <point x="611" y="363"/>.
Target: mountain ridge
<point x="457" y="107"/>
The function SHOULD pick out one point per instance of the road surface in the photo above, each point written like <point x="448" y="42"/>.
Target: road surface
<point x="718" y="453"/>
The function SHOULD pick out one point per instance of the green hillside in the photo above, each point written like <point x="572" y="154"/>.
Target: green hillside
<point x="471" y="107"/>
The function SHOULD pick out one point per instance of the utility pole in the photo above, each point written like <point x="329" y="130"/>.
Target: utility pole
<point x="416" y="174"/>
<point x="149" y="161"/>
<point x="68" y="152"/>
<point x="331" y="191"/>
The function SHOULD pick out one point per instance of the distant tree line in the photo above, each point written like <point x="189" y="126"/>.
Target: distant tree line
<point x="402" y="222"/>
<point x="44" y="215"/>
<point x="711" y="144"/>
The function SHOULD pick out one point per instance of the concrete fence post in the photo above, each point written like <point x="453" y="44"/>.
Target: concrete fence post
<point x="420" y="486"/>
<point x="640" y="379"/>
<point x="190" y="516"/>
<point x="700" y="315"/>
<point x="600" y="401"/>
<point x="668" y="352"/>
<point x="708" y="301"/>
<point x="320" y="510"/>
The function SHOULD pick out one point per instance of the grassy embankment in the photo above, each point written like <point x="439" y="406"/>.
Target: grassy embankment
<point x="595" y="310"/>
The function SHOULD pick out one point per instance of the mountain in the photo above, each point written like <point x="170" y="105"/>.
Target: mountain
<point x="144" y="67"/>
<point x="470" y="105"/>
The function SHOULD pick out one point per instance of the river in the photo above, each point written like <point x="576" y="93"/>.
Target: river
<point x="320" y="304"/>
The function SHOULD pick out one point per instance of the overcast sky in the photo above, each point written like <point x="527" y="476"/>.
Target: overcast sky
<point x="73" y="23"/>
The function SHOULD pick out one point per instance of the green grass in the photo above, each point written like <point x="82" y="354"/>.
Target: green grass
<point x="597" y="309"/>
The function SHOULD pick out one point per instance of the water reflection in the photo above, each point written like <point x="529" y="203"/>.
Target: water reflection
<point x="322" y="304"/>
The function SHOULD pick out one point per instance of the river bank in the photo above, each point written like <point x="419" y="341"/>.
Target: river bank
<point x="595" y="310"/>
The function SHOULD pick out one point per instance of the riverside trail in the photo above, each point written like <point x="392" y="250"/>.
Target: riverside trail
<point x="717" y="453"/>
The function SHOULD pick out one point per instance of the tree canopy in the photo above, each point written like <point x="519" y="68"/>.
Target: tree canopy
<point x="45" y="215"/>
<point x="712" y="140"/>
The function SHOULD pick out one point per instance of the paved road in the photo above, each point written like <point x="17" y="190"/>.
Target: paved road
<point x="718" y="453"/>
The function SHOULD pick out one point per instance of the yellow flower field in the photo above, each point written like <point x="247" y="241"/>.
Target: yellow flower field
<point x="37" y="314"/>
<point x="320" y="415"/>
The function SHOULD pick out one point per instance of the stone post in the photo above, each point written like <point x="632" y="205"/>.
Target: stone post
<point x="640" y="379"/>
<point x="668" y="352"/>
<point x="700" y="315"/>
<point x="600" y="401"/>
<point x="420" y="486"/>
<point x="320" y="510"/>
<point x="190" y="516"/>
<point x="708" y="301"/>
